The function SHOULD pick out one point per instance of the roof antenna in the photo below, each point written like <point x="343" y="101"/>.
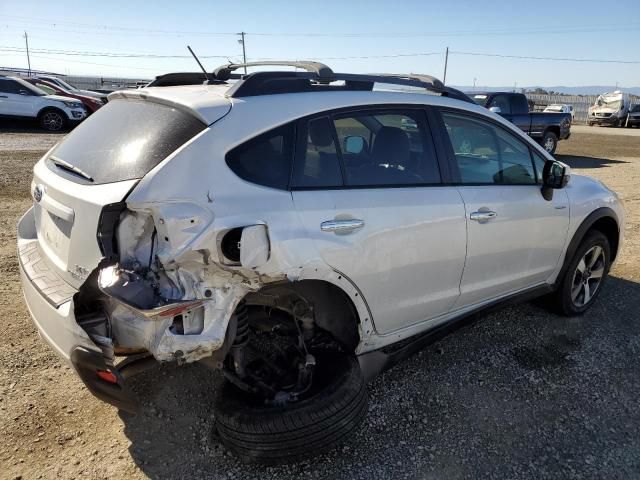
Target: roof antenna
<point x="208" y="76"/>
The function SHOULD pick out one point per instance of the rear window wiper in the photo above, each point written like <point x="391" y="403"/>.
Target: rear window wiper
<point x="70" y="168"/>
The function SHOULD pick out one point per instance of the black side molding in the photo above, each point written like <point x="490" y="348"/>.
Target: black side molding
<point x="374" y="363"/>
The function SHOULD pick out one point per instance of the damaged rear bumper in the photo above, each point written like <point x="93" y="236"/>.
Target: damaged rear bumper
<point x="90" y="365"/>
<point x="48" y="298"/>
<point x="51" y="306"/>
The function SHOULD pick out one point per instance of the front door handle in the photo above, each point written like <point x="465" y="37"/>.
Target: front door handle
<point x="482" y="216"/>
<point x="341" y="225"/>
<point x="3" y="96"/>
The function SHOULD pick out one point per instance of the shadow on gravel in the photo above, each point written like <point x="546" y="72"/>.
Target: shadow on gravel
<point x="24" y="125"/>
<point x="521" y="393"/>
<point x="576" y="161"/>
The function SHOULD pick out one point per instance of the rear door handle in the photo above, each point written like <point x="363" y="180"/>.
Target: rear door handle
<point x="341" y="225"/>
<point x="482" y="216"/>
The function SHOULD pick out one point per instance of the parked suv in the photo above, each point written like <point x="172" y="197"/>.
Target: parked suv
<point x="19" y="98"/>
<point x="299" y="231"/>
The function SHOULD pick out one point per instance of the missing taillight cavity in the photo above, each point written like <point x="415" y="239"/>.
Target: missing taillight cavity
<point x="109" y="218"/>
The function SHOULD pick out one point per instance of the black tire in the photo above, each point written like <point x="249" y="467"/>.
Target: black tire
<point x="52" y="120"/>
<point x="563" y="301"/>
<point x="549" y="142"/>
<point x="616" y="123"/>
<point x="266" y="434"/>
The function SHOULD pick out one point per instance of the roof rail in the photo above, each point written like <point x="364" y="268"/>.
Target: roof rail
<point x="323" y="72"/>
<point x="266" y="83"/>
<point x="419" y="77"/>
<point x="316" y="77"/>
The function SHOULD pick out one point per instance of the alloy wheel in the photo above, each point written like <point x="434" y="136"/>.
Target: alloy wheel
<point x="588" y="276"/>
<point x="52" y="121"/>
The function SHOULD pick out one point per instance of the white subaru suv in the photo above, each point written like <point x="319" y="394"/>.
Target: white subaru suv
<point x="299" y="231"/>
<point x="20" y="99"/>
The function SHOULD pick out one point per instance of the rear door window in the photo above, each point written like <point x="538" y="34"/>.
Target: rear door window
<point x="124" y="140"/>
<point x="318" y="164"/>
<point x="391" y="147"/>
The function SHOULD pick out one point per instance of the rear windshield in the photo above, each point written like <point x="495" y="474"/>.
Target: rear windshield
<point x="122" y="141"/>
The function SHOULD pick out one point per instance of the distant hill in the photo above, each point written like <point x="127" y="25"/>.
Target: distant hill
<point x="586" y="90"/>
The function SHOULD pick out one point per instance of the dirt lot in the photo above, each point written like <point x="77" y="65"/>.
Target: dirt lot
<point x="521" y="394"/>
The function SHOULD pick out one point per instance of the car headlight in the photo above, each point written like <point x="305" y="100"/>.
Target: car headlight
<point x="73" y="104"/>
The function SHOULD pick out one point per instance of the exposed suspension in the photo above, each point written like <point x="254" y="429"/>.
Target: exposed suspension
<point x="242" y="337"/>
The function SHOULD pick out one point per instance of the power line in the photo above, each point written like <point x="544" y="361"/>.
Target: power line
<point x="79" y="53"/>
<point x="98" y="64"/>
<point x="100" y="29"/>
<point x="397" y="55"/>
<point x="101" y="54"/>
<point x="555" y="59"/>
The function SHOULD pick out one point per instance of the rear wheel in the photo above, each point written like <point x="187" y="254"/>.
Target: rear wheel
<point x="549" y="142"/>
<point x="269" y="433"/>
<point x="583" y="279"/>
<point x="291" y="389"/>
<point x="52" y="120"/>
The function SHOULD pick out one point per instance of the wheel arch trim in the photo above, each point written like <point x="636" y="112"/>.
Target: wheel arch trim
<point x="366" y="327"/>
<point x="581" y="231"/>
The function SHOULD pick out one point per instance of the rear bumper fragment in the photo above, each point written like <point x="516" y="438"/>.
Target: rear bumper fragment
<point x="87" y="364"/>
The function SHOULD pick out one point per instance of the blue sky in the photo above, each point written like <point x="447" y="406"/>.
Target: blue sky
<point x="588" y="29"/>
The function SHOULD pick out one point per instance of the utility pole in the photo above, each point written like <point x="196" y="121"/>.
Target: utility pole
<point x="446" y="59"/>
<point x="474" y="83"/>
<point x="244" y="51"/>
<point x="26" y="41"/>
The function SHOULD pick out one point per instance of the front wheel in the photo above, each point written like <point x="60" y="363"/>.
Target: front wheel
<point x="583" y="279"/>
<point x="52" y="120"/>
<point x="282" y="432"/>
<point x="549" y="142"/>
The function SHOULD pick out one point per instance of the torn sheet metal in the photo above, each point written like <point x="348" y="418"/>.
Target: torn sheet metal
<point x="171" y="294"/>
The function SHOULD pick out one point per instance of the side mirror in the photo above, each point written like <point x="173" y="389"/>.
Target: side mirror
<point x="555" y="175"/>
<point x="354" y="144"/>
<point x="495" y="110"/>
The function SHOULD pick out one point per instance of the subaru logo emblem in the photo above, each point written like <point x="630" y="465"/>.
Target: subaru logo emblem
<point x="38" y="192"/>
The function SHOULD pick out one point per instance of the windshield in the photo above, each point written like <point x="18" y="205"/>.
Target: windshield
<point x="46" y="88"/>
<point x="35" y="90"/>
<point x="67" y="86"/>
<point x="479" y="99"/>
<point x="60" y="83"/>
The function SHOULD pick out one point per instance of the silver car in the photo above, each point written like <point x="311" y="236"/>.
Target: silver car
<point x="299" y="231"/>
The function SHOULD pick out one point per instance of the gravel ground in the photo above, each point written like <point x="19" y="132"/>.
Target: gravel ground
<point x="520" y="394"/>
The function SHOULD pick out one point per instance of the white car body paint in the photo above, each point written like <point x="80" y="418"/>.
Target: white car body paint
<point x="407" y="271"/>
